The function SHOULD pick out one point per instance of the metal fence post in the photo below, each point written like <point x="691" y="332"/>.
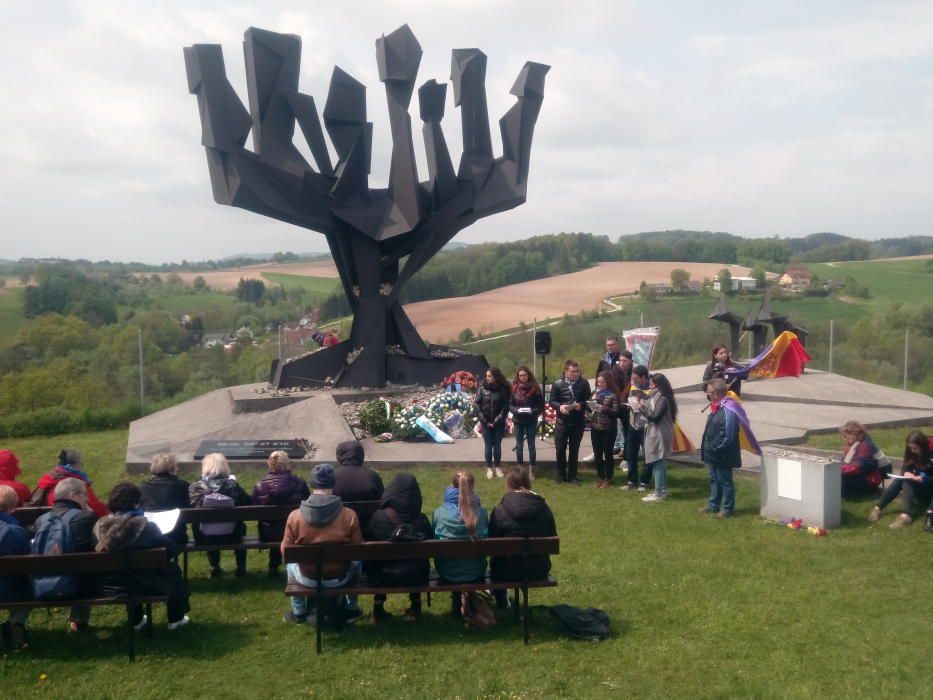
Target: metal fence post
<point x="831" y="327"/>
<point x="906" y="344"/>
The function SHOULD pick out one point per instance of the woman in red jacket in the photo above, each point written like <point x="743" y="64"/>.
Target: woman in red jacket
<point x="69" y="467"/>
<point x="9" y="470"/>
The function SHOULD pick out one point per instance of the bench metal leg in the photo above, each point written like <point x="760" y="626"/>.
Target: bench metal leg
<point x="525" y="606"/>
<point x="132" y="631"/>
<point x="319" y="623"/>
<point x="185" y="558"/>
<point x="516" y="605"/>
<point x="149" y="620"/>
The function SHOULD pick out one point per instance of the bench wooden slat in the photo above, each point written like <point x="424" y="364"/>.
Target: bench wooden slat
<point x="434" y="585"/>
<point x="27" y="515"/>
<point x="82" y="562"/>
<point x="428" y="549"/>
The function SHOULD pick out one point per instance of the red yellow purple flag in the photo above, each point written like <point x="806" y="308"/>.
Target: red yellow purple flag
<point x="681" y="441"/>
<point x="785" y="357"/>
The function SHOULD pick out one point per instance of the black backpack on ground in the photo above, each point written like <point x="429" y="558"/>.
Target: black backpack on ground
<point x="580" y="623"/>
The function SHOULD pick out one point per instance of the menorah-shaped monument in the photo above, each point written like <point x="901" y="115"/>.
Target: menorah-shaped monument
<point x="378" y="238"/>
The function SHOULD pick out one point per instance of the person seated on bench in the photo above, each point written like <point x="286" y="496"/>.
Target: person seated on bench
<point x="860" y="472"/>
<point x="520" y="513"/>
<point x="355" y="482"/>
<point x="399" y="519"/>
<point x="322" y="518"/>
<point x="166" y="491"/>
<point x="128" y="529"/>
<point x="218" y="488"/>
<point x="72" y="494"/>
<point x="9" y="470"/>
<point x="13" y="540"/>
<point x="461" y="517"/>
<point x="916" y="488"/>
<point x="279" y="487"/>
<point x="69" y="467"/>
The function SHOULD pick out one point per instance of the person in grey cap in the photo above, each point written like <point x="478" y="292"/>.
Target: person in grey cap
<point x="321" y="518"/>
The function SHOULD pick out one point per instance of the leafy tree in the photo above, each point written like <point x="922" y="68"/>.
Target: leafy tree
<point x="199" y="284"/>
<point x="725" y="281"/>
<point x="760" y="277"/>
<point x="679" y="279"/>
<point x="466" y="335"/>
<point x="250" y="290"/>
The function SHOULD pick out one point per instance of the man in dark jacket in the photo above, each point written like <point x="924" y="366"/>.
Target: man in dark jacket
<point x="720" y="450"/>
<point x="71" y="494"/>
<point x="568" y="398"/>
<point x="354" y="481"/>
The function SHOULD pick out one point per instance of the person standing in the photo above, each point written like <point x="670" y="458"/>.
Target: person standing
<point x="526" y="404"/>
<point x="568" y="398"/>
<point x="492" y="406"/>
<point x="619" y="362"/>
<point x="660" y="410"/>
<point x="719" y="367"/>
<point x="635" y="438"/>
<point x="603" y="427"/>
<point x="719" y="449"/>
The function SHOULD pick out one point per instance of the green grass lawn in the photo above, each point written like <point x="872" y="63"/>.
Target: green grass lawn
<point x="195" y="304"/>
<point x="11" y="311"/>
<point x="889" y="440"/>
<point x="700" y="608"/>
<point x="908" y="281"/>
<point x="318" y="285"/>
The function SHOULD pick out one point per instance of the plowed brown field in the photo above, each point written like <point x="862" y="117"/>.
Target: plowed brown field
<point x="228" y="279"/>
<point x="441" y="320"/>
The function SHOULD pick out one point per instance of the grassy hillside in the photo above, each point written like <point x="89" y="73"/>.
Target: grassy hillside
<point x="699" y="607"/>
<point x="320" y="285"/>
<point x="11" y="311"/>
<point x="906" y="281"/>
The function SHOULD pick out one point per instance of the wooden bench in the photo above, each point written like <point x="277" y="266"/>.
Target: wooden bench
<point x="90" y="563"/>
<point x="246" y="514"/>
<point x="321" y="554"/>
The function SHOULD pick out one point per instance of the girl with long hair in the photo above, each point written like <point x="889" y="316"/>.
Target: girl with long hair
<point x="526" y="403"/>
<point x="916" y="484"/>
<point x="719" y="362"/>
<point x="460" y="517"/>
<point x="660" y="412"/>
<point x="603" y="426"/>
<point x="492" y="406"/>
<point x="860" y="472"/>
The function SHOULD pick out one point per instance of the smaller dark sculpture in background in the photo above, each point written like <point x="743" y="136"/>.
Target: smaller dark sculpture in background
<point x="378" y="238"/>
<point x="756" y="323"/>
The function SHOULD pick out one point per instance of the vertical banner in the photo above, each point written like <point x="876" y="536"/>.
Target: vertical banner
<point x="640" y="342"/>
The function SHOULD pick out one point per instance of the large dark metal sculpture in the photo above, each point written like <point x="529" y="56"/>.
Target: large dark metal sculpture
<point x="720" y="313"/>
<point x="379" y="238"/>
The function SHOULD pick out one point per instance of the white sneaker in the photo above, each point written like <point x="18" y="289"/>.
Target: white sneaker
<point x="181" y="623"/>
<point x="499" y="473"/>
<point x="623" y="465"/>
<point x="653" y="497"/>
<point x="590" y="458"/>
<point x="642" y="488"/>
<point x="142" y="623"/>
<point x="489" y="473"/>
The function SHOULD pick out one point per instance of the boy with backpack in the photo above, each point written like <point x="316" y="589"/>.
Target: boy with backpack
<point x="68" y="527"/>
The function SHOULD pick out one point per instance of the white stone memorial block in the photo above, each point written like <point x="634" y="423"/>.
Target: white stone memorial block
<point x="799" y="485"/>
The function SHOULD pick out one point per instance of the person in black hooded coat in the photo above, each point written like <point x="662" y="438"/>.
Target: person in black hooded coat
<point x="355" y="482"/>
<point x="521" y="513"/>
<point x="399" y="517"/>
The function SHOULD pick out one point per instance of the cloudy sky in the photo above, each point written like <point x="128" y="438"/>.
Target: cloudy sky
<point x="762" y="119"/>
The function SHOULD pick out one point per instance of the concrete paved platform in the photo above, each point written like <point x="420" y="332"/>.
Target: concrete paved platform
<point x="782" y="411"/>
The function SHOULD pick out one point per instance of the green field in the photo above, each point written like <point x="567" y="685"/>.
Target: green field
<point x="908" y="281"/>
<point x="318" y="285"/>
<point x="195" y="304"/>
<point x="699" y="607"/>
<point x="11" y="311"/>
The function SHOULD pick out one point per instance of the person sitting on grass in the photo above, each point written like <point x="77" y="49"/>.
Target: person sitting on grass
<point x="128" y="529"/>
<point x="279" y="487"/>
<point x="219" y="488"/>
<point x="166" y="491"/>
<point x="916" y="486"/>
<point x="399" y="518"/>
<point x="322" y="518"/>
<point x="9" y="470"/>
<point x="13" y="540"/>
<point x="520" y="513"/>
<point x="460" y="517"/>
<point x="69" y="467"/>
<point x="860" y="472"/>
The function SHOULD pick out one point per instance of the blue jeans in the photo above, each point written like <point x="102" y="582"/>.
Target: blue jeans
<point x="721" y="490"/>
<point x="525" y="432"/>
<point x="620" y="435"/>
<point x="300" y="605"/>
<point x="492" y="441"/>
<point x="659" y="469"/>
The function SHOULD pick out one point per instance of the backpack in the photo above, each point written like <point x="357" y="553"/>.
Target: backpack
<point x="406" y="532"/>
<point x="217" y="500"/>
<point x="581" y="623"/>
<point x="476" y="609"/>
<point x="53" y="536"/>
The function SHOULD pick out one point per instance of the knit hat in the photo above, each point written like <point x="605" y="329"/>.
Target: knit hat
<point x="323" y="476"/>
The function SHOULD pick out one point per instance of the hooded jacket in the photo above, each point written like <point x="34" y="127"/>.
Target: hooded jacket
<point x="354" y="481"/>
<point x="521" y="514"/>
<point x="50" y="481"/>
<point x="401" y="504"/>
<point x="492" y="402"/>
<point x="13" y="540"/>
<point x="322" y="518"/>
<point x="280" y="488"/>
<point x="226" y="485"/>
<point x="126" y="531"/>
<point x="9" y="470"/>
<point x="449" y="525"/>
<point x="608" y="402"/>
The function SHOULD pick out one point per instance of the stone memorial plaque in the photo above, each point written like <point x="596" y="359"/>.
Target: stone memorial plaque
<point x="250" y="449"/>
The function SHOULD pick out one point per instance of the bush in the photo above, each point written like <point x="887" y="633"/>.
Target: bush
<point x="55" y="420"/>
<point x="373" y="418"/>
